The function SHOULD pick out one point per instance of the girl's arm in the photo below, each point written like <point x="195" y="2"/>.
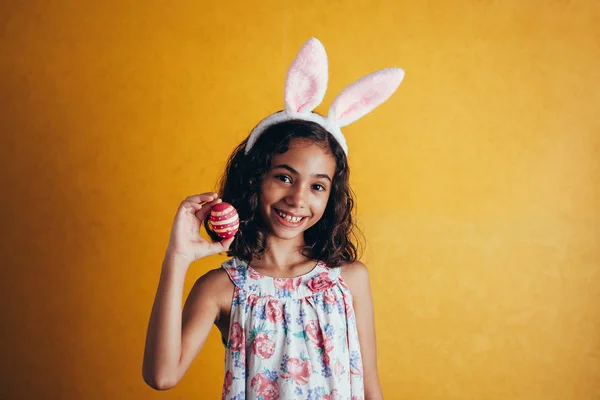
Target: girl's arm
<point x="356" y="277"/>
<point x="174" y="338"/>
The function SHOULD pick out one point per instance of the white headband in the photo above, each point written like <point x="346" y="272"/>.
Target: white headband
<point x="305" y="89"/>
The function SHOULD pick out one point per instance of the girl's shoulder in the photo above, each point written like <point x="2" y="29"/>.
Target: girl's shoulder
<point x="356" y="276"/>
<point x="356" y="269"/>
<point x="215" y="279"/>
<point x="212" y="289"/>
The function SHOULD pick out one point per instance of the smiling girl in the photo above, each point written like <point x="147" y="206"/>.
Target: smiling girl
<point x="293" y="303"/>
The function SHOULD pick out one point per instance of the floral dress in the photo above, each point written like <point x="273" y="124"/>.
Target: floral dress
<point x="291" y="338"/>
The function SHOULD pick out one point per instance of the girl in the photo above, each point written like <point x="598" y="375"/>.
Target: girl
<point x="293" y="304"/>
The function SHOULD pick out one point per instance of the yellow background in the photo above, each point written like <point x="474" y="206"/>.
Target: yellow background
<point x="478" y="183"/>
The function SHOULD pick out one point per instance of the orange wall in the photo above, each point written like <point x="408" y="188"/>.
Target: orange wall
<point x="478" y="183"/>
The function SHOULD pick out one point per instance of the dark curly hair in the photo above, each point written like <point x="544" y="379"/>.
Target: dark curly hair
<point x="334" y="239"/>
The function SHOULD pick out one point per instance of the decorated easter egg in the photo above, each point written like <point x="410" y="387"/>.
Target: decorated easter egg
<point x="224" y="220"/>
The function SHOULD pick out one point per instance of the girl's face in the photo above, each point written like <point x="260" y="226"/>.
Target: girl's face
<point x="296" y="188"/>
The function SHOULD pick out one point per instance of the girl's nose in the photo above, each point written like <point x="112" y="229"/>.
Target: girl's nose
<point x="297" y="197"/>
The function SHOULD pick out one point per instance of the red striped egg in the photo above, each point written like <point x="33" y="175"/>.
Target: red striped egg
<point x="224" y="220"/>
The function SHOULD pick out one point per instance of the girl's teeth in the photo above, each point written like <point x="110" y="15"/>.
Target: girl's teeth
<point x="289" y="218"/>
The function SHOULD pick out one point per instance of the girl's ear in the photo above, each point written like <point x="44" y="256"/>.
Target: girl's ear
<point x="306" y="81"/>
<point x="361" y="97"/>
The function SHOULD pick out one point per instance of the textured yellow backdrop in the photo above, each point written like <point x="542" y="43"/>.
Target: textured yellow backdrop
<point x="478" y="183"/>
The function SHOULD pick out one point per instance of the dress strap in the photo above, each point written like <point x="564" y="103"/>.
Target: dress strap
<point x="335" y="273"/>
<point x="237" y="271"/>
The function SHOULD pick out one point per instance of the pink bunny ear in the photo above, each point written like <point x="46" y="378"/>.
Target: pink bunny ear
<point x="306" y="81"/>
<point x="364" y="95"/>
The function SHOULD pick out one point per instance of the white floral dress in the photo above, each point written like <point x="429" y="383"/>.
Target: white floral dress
<point x="291" y="338"/>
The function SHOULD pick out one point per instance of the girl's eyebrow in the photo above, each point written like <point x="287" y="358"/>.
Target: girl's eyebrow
<point x="293" y="171"/>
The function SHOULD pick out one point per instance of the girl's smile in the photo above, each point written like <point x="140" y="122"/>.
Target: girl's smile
<point x="289" y="220"/>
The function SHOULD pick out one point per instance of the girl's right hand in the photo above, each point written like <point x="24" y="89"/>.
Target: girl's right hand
<point x="185" y="240"/>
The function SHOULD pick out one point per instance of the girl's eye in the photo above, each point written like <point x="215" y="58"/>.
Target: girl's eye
<point x="319" y="187"/>
<point x="283" y="178"/>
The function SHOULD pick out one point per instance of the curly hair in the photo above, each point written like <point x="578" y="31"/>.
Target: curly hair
<point x="334" y="239"/>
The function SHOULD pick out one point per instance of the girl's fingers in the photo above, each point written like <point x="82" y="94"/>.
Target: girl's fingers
<point x="202" y="198"/>
<point x="222" y="246"/>
<point x="226" y="243"/>
<point x="197" y="206"/>
<point x="202" y="210"/>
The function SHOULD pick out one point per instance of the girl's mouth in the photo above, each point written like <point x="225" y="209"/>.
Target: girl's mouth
<point x="287" y="220"/>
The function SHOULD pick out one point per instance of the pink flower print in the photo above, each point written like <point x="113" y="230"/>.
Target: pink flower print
<point x="236" y="337"/>
<point x="328" y="343"/>
<point x="327" y="348"/>
<point x="326" y="359"/>
<point x="227" y="383"/>
<point x="314" y="333"/>
<point x="329" y="297"/>
<point x="297" y="369"/>
<point x="253" y="299"/>
<point x="289" y="284"/>
<point x="320" y="282"/>
<point x="347" y="305"/>
<point x="356" y="370"/>
<point x="332" y="396"/>
<point x="265" y="388"/>
<point x="355" y="365"/>
<point x="253" y="274"/>
<point x="269" y="391"/>
<point x="338" y="368"/>
<point x="233" y="273"/>
<point x="258" y="381"/>
<point x="274" y="311"/>
<point x="357" y="398"/>
<point x="325" y="343"/>
<point x="263" y="346"/>
<point x="343" y="283"/>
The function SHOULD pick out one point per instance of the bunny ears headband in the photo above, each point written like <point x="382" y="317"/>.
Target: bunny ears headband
<point x="305" y="89"/>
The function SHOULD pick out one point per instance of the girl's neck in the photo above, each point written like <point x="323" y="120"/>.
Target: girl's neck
<point x="282" y="255"/>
